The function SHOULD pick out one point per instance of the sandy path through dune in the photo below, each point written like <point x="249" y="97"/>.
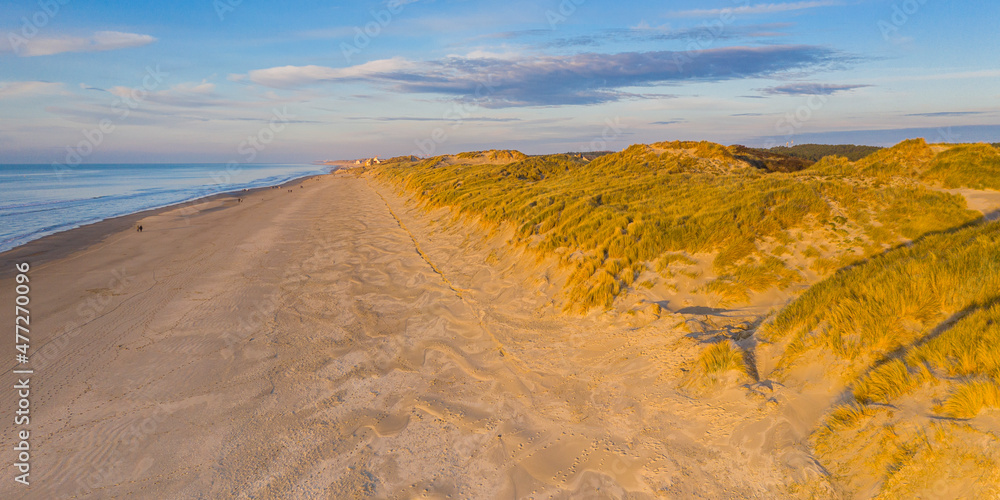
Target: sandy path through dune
<point x="334" y="342"/>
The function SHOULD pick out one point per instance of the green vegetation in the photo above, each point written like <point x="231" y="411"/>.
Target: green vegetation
<point x="878" y="452"/>
<point x="769" y="160"/>
<point x="816" y="152"/>
<point x="974" y="166"/>
<point x="614" y="217"/>
<point x="905" y="317"/>
<point x="907" y="159"/>
<point x="493" y="155"/>
<point x="590" y="155"/>
<point x="916" y="324"/>
<point x="721" y="357"/>
<point x="862" y="314"/>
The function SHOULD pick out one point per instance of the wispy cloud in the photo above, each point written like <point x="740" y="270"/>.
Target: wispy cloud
<point x="98" y="42"/>
<point x="432" y="119"/>
<point x="295" y="76"/>
<point x="947" y="113"/>
<point x="184" y="95"/>
<point x="589" y="78"/>
<point x="27" y="89"/>
<point x="643" y="33"/>
<point x="960" y="75"/>
<point x="810" y="89"/>
<point x="764" y="8"/>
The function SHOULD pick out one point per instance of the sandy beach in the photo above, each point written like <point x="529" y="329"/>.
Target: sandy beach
<point x="458" y="250"/>
<point x="334" y="341"/>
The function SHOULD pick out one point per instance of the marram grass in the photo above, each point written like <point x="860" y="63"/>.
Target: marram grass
<point x="918" y="324"/>
<point x="721" y="357"/>
<point x="910" y="314"/>
<point x="975" y="166"/>
<point x="628" y="211"/>
<point x="893" y="300"/>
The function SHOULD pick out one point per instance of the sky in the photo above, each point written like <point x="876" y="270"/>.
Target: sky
<point x="297" y="81"/>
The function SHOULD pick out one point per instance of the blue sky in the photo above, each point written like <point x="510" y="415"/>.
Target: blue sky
<point x="247" y="80"/>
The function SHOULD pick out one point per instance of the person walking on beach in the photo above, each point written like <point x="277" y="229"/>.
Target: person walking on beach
<point x="139" y="229"/>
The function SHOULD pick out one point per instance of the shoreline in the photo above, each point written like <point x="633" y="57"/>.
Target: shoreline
<point x="63" y="243"/>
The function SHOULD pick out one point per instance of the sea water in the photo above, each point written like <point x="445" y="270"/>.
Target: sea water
<point x="38" y="200"/>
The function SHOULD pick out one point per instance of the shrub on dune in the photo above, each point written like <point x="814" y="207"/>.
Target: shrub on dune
<point x="721" y="357"/>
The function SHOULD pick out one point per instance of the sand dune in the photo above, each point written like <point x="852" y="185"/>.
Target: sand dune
<point x="335" y="342"/>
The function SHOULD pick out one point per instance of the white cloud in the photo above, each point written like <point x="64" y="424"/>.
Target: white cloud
<point x="764" y="8"/>
<point x="506" y="80"/>
<point x="485" y="54"/>
<point x="292" y="76"/>
<point x="185" y="95"/>
<point x="25" y="89"/>
<point x="98" y="42"/>
<point x="964" y="75"/>
<point x="644" y="26"/>
<point x="204" y="88"/>
<point x="959" y="75"/>
<point x="811" y="88"/>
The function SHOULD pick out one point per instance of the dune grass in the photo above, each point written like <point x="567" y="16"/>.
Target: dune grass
<point x="970" y="398"/>
<point x="493" y="155"/>
<point x="721" y="357"/>
<point x="816" y="152"/>
<point x="908" y="158"/>
<point x="863" y="314"/>
<point x="737" y="282"/>
<point x="918" y="324"/>
<point x="909" y="322"/>
<point x="625" y="211"/>
<point x="975" y="166"/>
<point x="874" y="452"/>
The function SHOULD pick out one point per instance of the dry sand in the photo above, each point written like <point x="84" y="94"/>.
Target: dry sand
<point x="335" y="342"/>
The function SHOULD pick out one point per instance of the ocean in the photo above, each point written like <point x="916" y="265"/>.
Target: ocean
<point x="38" y="200"/>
